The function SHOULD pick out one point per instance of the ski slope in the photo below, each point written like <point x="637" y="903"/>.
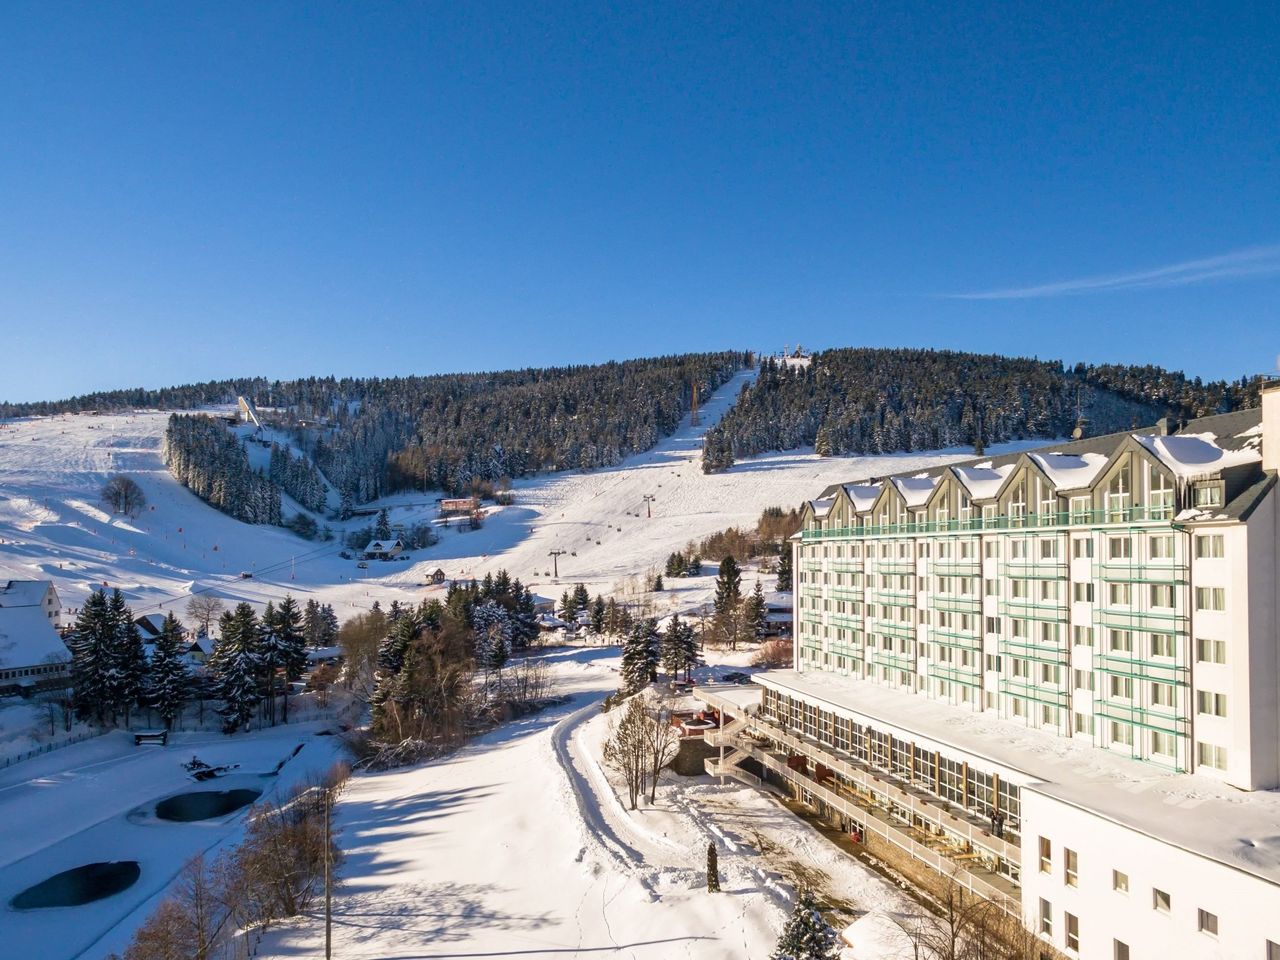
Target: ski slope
<point x="53" y="525"/>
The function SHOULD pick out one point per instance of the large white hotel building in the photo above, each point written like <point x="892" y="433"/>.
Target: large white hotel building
<point x="1055" y="677"/>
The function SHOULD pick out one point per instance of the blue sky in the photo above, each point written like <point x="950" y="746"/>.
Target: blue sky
<point x="192" y="192"/>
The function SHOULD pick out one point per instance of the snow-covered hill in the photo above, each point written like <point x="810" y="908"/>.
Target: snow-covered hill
<point x="53" y="525"/>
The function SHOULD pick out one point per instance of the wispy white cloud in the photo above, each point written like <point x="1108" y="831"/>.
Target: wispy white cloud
<point x="1249" y="262"/>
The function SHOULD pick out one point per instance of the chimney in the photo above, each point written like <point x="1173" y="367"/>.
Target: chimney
<point x="1271" y="424"/>
<point x="1166" y="427"/>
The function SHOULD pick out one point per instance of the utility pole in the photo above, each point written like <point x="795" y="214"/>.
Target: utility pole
<point x="328" y="873"/>
<point x="555" y="556"/>
<point x="648" y="504"/>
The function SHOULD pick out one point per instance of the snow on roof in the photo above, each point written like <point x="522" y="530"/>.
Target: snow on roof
<point x="382" y="546"/>
<point x="1069" y="471"/>
<point x="1191" y="456"/>
<point x="982" y="480"/>
<point x="915" y="490"/>
<point x="782" y="599"/>
<point x="821" y="507"/>
<point x="23" y="593"/>
<point x="1196" y="813"/>
<point x="27" y="638"/>
<point x="862" y="495"/>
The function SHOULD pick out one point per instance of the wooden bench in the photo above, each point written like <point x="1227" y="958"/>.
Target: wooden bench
<point x="151" y="736"/>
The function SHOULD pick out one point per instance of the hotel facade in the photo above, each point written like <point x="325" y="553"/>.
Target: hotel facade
<point x="1053" y="676"/>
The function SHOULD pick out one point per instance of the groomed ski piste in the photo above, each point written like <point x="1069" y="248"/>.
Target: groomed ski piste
<point x="506" y="849"/>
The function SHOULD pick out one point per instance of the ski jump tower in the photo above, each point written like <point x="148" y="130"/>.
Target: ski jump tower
<point x="249" y="410"/>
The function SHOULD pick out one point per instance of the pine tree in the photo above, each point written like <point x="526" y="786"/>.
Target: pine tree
<point x="754" y="611"/>
<point x="713" y="869"/>
<point x="807" y="936"/>
<point x="235" y="668"/>
<point x="127" y="659"/>
<point x="168" y="681"/>
<point x="671" y="647"/>
<point x="784" y="569"/>
<point x="640" y="655"/>
<point x="293" y="645"/>
<point x="90" y="646"/>
<point x="657" y="584"/>
<point x="598" y="614"/>
<point x="728" y="586"/>
<point x="568" y="607"/>
<point x="382" y="529"/>
<point x="492" y="626"/>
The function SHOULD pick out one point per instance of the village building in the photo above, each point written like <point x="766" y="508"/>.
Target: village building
<point x="383" y="549"/>
<point x="32" y="654"/>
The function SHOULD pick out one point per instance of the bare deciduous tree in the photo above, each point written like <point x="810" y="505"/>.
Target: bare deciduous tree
<point x="627" y="749"/>
<point x="204" y="610"/>
<point x="123" y="495"/>
<point x="662" y="742"/>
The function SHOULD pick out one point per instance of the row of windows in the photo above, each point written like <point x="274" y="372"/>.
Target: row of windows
<point x="1160" y="546"/>
<point x="33" y="671"/>
<point x="1161" y="900"/>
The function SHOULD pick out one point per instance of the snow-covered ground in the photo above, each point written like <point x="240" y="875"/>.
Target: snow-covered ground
<point x="53" y="525"/>
<point x="519" y="846"/>
<point x="94" y="801"/>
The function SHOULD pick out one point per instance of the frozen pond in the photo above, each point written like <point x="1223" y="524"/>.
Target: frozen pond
<point x="80" y="885"/>
<point x="204" y="804"/>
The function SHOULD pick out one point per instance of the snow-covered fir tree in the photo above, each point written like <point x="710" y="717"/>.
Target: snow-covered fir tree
<point x="493" y="635"/>
<point x="807" y="936"/>
<point x="205" y="457"/>
<point x="753" y="611"/>
<point x="640" y="655"/>
<point x="90" y="645"/>
<point x="235" y="667"/>
<point x="168" y="681"/>
<point x="784" y="568"/>
<point x="127" y="659"/>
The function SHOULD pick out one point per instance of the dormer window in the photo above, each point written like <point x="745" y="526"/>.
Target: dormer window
<point x="1118" y="496"/>
<point x="1207" y="495"/>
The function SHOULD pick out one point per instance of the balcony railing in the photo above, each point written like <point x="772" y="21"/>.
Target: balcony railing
<point x="1163" y="719"/>
<point x="1142" y="572"/>
<point x="894" y="661"/>
<point x="1077" y="518"/>
<point x="967" y="676"/>
<point x="1126" y="665"/>
<point x="896" y="565"/>
<point x="1018" y="687"/>
<point x="1025" y="609"/>
<point x="955" y="604"/>
<point x="1150" y="621"/>
<point x="893" y="628"/>
<point x="1039" y="652"/>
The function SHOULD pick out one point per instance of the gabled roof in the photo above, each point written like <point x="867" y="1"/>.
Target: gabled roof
<point x="382" y="546"/>
<point x="983" y="480"/>
<point x="915" y="490"/>
<point x="1070" y="471"/>
<point x="862" y="495"/>
<point x="27" y="638"/>
<point x="24" y="593"/>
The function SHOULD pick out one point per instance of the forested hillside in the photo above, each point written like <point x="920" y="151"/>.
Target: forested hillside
<point x="850" y="401"/>
<point x="447" y="431"/>
<point x="206" y="458"/>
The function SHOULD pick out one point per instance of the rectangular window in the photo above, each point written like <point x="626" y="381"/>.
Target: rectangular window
<point x="1162" y="645"/>
<point x="1048" y="549"/>
<point x="1211" y="598"/>
<point x="1081" y="548"/>
<point x="1163" y="744"/>
<point x="1073" y="931"/>
<point x="1121" y="734"/>
<point x="1121" y="687"/>
<point x="1212" y="704"/>
<point x="1120" y="641"/>
<point x="1120" y="950"/>
<point x="1162" y="595"/>
<point x="1120" y="548"/>
<point x="1161" y="901"/>
<point x="1046" y="856"/>
<point x="1208" y="495"/>
<point x="1070" y="867"/>
<point x="1046" y="918"/>
<point x="1119" y="594"/>
<point x="1161" y="548"/>
<point x="1162" y="694"/>
<point x="1079" y="507"/>
<point x="1119" y="881"/>
<point x="1082" y="592"/>
<point x="1209" y="546"/>
<point x="1211" y="651"/>
<point x="1207" y="755"/>
<point x="1082" y="636"/>
<point x="1207" y="922"/>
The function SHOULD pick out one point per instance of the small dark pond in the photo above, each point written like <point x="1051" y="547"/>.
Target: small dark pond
<point x="71" y="888"/>
<point x="204" y="805"/>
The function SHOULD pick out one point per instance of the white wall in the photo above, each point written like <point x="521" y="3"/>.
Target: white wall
<point x="1247" y="907"/>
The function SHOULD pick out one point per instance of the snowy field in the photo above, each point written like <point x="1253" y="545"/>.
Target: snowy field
<point x="95" y="801"/>
<point x="518" y="846"/>
<point x="53" y="525"/>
